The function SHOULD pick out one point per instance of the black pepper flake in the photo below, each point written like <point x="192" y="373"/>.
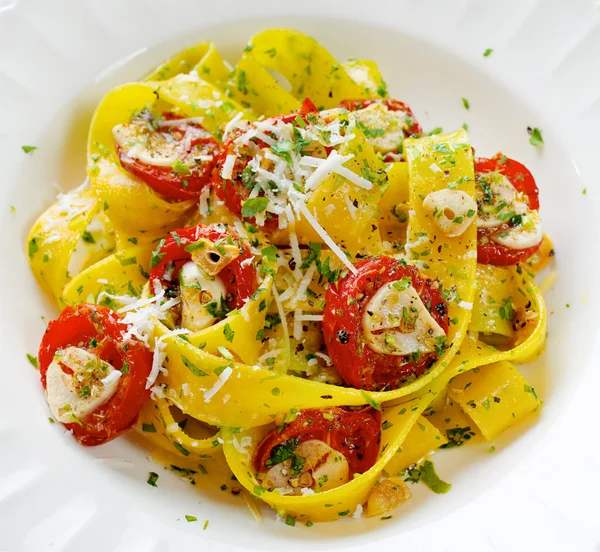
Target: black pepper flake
<point x="327" y="396"/>
<point x="343" y="337"/>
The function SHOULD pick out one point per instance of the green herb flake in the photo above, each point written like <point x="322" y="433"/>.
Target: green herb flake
<point x="228" y="333"/>
<point x="191" y="518"/>
<point x="152" y="479"/>
<point x="192" y="367"/>
<point x="149" y="428"/>
<point x="290" y="520"/>
<point x="487" y="52"/>
<point x="370" y="400"/>
<point x="33" y="361"/>
<point x="535" y="138"/>
<point x="254" y="206"/>
<point x="432" y="480"/>
<point x="28" y="149"/>
<point x="466" y="103"/>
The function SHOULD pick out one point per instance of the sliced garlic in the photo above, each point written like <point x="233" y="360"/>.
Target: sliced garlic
<point x="212" y="258"/>
<point x="452" y="211"/>
<point x="378" y="116"/>
<point x="197" y="290"/>
<point x="527" y="234"/>
<point x="72" y="397"/>
<point x="387" y="495"/>
<point x="396" y="322"/>
<point x="150" y="148"/>
<point x="323" y="468"/>
<point x="496" y="200"/>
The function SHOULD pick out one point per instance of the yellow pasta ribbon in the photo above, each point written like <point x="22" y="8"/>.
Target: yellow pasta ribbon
<point x="57" y="246"/>
<point x="492" y="301"/>
<point x="122" y="273"/>
<point x="334" y="503"/>
<point x="495" y="397"/>
<point x="366" y="74"/>
<point x="309" y="68"/>
<point x="160" y="427"/>
<point x="254" y="86"/>
<point x="329" y="202"/>
<point x="198" y="98"/>
<point x="202" y="58"/>
<point x="423" y="438"/>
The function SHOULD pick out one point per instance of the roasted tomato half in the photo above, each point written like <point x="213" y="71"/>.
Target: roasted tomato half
<point x="319" y="450"/>
<point x="94" y="375"/>
<point x="172" y="155"/>
<point x="209" y="268"/>
<point x="385" y="325"/>
<point x="256" y="158"/>
<point x="509" y="228"/>
<point x="385" y="123"/>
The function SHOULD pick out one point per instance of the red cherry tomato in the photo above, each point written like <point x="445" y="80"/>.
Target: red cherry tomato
<point x="354" y="433"/>
<point x="358" y="365"/>
<point x="414" y="129"/>
<point x="239" y="279"/>
<point x="489" y="252"/>
<point x="232" y="191"/>
<point x="194" y="147"/>
<point x="100" y="331"/>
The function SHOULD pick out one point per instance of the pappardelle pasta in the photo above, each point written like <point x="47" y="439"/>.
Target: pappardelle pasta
<point x="276" y="277"/>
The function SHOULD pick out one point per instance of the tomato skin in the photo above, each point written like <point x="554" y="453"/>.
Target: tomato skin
<point x="76" y="327"/>
<point x="393" y="105"/>
<point x="164" y="180"/>
<point x="240" y="281"/>
<point x="358" y="365"/>
<point x="232" y="191"/>
<point x="354" y="433"/>
<point x="489" y="252"/>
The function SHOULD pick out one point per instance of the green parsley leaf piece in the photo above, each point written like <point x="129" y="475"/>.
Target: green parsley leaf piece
<point x="28" y="149"/>
<point x="432" y="480"/>
<point x="254" y="206"/>
<point x="152" y="479"/>
<point x="536" y="138"/>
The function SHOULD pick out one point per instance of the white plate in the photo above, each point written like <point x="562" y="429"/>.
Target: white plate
<point x="540" y="489"/>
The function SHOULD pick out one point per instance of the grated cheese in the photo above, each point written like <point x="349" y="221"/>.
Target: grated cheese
<point x="223" y="377"/>
<point x="227" y="169"/>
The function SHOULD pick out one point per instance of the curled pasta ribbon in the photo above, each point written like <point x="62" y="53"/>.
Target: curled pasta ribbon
<point x="121" y="274"/>
<point x="132" y="205"/>
<point x="311" y="71"/>
<point x="437" y="163"/>
<point x="203" y="59"/>
<point x="159" y="425"/>
<point x="405" y="441"/>
<point x="71" y="235"/>
<point x="334" y="503"/>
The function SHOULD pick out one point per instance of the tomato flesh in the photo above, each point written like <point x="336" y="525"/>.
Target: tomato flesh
<point x="239" y="279"/>
<point x="354" y="433"/>
<point x="488" y="251"/>
<point x="358" y="365"/>
<point x="194" y="146"/>
<point x="78" y="327"/>
<point x="233" y="191"/>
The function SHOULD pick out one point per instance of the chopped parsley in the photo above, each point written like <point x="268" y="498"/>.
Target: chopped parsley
<point x="152" y="479"/>
<point x="535" y="137"/>
<point x="33" y="361"/>
<point x="28" y="149"/>
<point x="466" y="103"/>
<point x="254" y="206"/>
<point x="191" y="518"/>
<point x="228" y="333"/>
<point x="487" y="52"/>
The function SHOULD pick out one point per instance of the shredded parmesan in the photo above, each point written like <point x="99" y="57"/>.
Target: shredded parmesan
<point x="223" y="377"/>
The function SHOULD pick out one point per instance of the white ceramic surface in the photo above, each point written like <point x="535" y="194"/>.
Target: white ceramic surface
<point x="539" y="490"/>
